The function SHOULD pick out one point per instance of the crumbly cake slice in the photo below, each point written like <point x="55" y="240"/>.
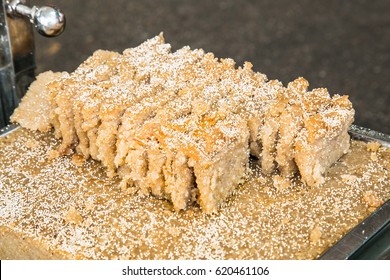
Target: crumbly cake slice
<point x="82" y="147"/>
<point x="213" y="153"/>
<point x="250" y="96"/>
<point x="52" y="88"/>
<point x="171" y="84"/>
<point x="214" y="181"/>
<point x="134" y="117"/>
<point x="64" y="89"/>
<point x="282" y="122"/>
<point x="63" y="93"/>
<point x="194" y="79"/>
<point x="134" y="114"/>
<point x="90" y="121"/>
<point x="249" y="92"/>
<point x="118" y="98"/>
<point x="323" y="140"/>
<point x="269" y="131"/>
<point x="96" y="74"/>
<point x="304" y="105"/>
<point x="137" y="156"/>
<point x="131" y="73"/>
<point x="289" y="124"/>
<point x="150" y="177"/>
<point x="34" y="110"/>
<point x="169" y="173"/>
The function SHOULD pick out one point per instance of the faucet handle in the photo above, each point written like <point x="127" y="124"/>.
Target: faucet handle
<point x="49" y="21"/>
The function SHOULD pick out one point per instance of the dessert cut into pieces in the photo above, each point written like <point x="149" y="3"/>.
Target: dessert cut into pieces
<point x="302" y="104"/>
<point x="323" y="139"/>
<point x="183" y="125"/>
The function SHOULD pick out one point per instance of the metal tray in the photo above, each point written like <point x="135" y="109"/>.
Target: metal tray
<point x="8" y="129"/>
<point x="368" y="240"/>
<point x="371" y="238"/>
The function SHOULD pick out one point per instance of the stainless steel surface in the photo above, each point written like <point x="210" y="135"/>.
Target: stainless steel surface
<point x="359" y="236"/>
<point x="23" y="54"/>
<point x="7" y="71"/>
<point x="8" y="129"/>
<point x="363" y="233"/>
<point x="368" y="135"/>
<point x="49" y="21"/>
<point x="17" y="50"/>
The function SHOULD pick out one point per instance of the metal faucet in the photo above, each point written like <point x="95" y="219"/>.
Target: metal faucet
<point x="17" y="59"/>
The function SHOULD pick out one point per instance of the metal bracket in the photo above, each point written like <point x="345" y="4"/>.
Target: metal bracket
<point x="49" y="21"/>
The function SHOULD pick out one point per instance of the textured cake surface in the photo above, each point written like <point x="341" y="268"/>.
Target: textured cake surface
<point x="57" y="207"/>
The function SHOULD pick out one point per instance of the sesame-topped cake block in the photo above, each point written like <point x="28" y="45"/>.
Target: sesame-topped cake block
<point x="132" y="158"/>
<point x="323" y="140"/>
<point x="187" y="154"/>
<point x="198" y="153"/>
<point x="174" y="73"/>
<point x="99" y="70"/>
<point x="129" y="86"/>
<point x="88" y="82"/>
<point x="168" y="87"/>
<point x="181" y="125"/>
<point x="303" y="105"/>
<point x="143" y="146"/>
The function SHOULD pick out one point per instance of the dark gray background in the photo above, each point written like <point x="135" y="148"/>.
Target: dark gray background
<point x="341" y="45"/>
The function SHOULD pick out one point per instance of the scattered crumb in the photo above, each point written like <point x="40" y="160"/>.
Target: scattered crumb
<point x="67" y="151"/>
<point x="131" y="190"/>
<point x="89" y="205"/>
<point x="78" y="160"/>
<point x="52" y="154"/>
<point x="261" y="180"/>
<point x="372" y="199"/>
<point x="123" y="186"/>
<point x="373" y="146"/>
<point x="315" y="234"/>
<point x="281" y="183"/>
<point x="88" y="222"/>
<point x="348" y="179"/>
<point x="126" y="189"/>
<point x="32" y="144"/>
<point x="73" y="216"/>
<point x="174" y="231"/>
